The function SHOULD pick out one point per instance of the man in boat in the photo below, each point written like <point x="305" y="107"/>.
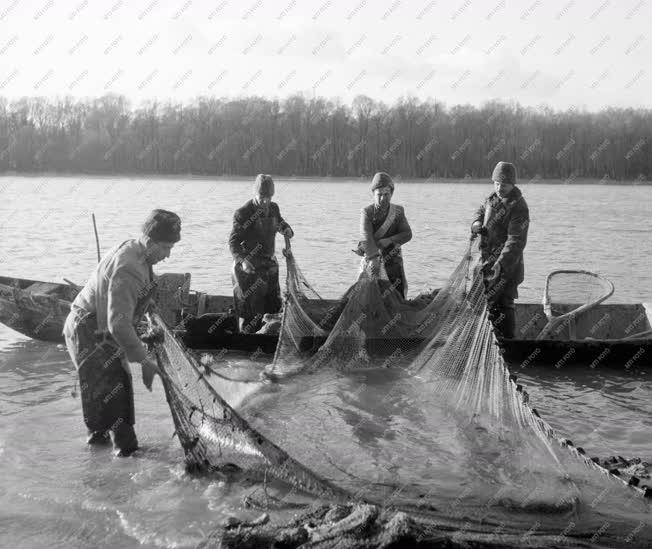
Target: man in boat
<point x="100" y="333"/>
<point x="502" y="223"/>
<point x="256" y="289"/>
<point x="383" y="230"/>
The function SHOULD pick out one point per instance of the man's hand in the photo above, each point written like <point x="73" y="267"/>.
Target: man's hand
<point x="247" y="267"/>
<point x="477" y="229"/>
<point x="150" y="369"/>
<point x="374" y="266"/>
<point x="494" y="274"/>
<point x="384" y="243"/>
<point x="288" y="232"/>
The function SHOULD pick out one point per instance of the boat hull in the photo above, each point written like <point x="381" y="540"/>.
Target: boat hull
<point x="39" y="309"/>
<point x="521" y="353"/>
<point x="518" y="353"/>
<point x="35" y="309"/>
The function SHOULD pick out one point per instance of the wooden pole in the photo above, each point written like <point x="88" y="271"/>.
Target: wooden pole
<point x="71" y="283"/>
<point x="97" y="238"/>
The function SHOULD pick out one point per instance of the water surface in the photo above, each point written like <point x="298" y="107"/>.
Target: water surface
<point x="55" y="491"/>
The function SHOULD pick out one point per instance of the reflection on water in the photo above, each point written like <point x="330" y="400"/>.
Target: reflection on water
<point x="608" y="411"/>
<point x="54" y="487"/>
<point x="370" y="431"/>
<point x="377" y="433"/>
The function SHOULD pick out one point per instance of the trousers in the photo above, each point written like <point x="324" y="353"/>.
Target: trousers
<point x="500" y="304"/>
<point x="255" y="294"/>
<point x="105" y="385"/>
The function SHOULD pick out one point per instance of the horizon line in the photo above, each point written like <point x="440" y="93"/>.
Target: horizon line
<point x="134" y="103"/>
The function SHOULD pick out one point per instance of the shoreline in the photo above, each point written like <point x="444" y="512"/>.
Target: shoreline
<point x="332" y="179"/>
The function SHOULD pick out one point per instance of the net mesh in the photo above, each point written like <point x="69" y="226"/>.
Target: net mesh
<point x="444" y="340"/>
<point x="369" y="322"/>
<point x="214" y="437"/>
<point x="569" y="293"/>
<point x="444" y="344"/>
<point x="575" y="287"/>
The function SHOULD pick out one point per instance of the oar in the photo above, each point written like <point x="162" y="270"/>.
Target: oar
<point x="97" y="238"/>
<point x="97" y="247"/>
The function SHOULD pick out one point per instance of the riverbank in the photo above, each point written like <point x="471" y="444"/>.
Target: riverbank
<point x="314" y="178"/>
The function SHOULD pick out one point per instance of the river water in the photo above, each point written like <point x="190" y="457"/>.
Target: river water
<point x="56" y="492"/>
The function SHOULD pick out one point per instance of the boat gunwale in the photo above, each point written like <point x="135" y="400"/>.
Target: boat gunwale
<point x="49" y="299"/>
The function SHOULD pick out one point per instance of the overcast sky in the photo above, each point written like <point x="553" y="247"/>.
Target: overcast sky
<point x="582" y="53"/>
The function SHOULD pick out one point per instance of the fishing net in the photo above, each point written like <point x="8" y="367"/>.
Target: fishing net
<point x="370" y="321"/>
<point x="445" y="345"/>
<point x="213" y="436"/>
<point x="568" y="294"/>
<point x="488" y="463"/>
<point x="307" y="318"/>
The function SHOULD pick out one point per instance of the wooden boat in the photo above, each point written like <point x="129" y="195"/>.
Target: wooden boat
<point x="615" y="335"/>
<point x="39" y="309"/>
<point x="610" y="334"/>
<point x="34" y="308"/>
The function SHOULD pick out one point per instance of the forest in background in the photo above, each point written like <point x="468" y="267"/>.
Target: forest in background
<point x="299" y="136"/>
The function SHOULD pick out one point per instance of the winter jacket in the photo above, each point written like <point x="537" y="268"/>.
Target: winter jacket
<point x="253" y="235"/>
<point x="117" y="293"/>
<point x="506" y="222"/>
<point x="399" y="231"/>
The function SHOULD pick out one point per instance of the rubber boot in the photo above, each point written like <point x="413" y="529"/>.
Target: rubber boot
<point x="98" y="437"/>
<point x="124" y="439"/>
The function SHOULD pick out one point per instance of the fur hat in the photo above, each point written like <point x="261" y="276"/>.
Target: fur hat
<point x="504" y="172"/>
<point x="264" y="185"/>
<point x="163" y="226"/>
<point x="382" y="179"/>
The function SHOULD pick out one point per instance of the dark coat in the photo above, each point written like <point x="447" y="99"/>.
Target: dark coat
<point x="506" y="222"/>
<point x="399" y="231"/>
<point x="254" y="234"/>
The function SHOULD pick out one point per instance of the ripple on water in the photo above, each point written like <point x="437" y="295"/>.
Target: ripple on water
<point x="55" y="491"/>
<point x="605" y="412"/>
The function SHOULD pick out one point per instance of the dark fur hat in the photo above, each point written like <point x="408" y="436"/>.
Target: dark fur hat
<point x="163" y="226"/>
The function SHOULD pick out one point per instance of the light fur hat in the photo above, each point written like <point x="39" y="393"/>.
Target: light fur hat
<point x="264" y="185"/>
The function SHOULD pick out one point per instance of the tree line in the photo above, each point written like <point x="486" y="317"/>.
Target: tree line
<point x="299" y="136"/>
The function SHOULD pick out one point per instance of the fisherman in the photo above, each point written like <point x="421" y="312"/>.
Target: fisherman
<point x="100" y="333"/>
<point x="256" y="289"/>
<point x="502" y="223"/>
<point x="383" y="230"/>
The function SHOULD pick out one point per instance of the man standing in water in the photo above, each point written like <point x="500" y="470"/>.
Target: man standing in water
<point x="383" y="229"/>
<point x="256" y="288"/>
<point x="502" y="223"/>
<point x="100" y="333"/>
